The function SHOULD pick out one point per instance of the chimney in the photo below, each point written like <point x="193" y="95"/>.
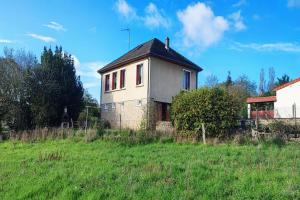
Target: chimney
<point x="167" y="43"/>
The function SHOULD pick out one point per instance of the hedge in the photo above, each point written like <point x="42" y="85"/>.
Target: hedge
<point x="214" y="107"/>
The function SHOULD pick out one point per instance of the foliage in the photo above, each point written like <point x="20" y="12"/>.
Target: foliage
<point x="271" y="82"/>
<point x="54" y="86"/>
<point x="94" y="112"/>
<point x="211" y="81"/>
<point x="282" y="80"/>
<point x="262" y="82"/>
<point x="282" y="128"/>
<point x="228" y="81"/>
<point x="241" y="89"/>
<point x="14" y="106"/>
<point x="214" y="107"/>
<point x="64" y="169"/>
<point x="33" y="94"/>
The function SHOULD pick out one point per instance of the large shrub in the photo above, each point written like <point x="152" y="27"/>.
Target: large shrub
<point x="214" y="107"/>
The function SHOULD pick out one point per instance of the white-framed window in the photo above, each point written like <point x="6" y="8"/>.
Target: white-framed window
<point x="113" y="106"/>
<point x="139" y="102"/>
<point x="122" y="78"/>
<point x="114" y="80"/>
<point x="139" y="74"/>
<point x="186" y="80"/>
<point x="107" y="83"/>
<point x="105" y="107"/>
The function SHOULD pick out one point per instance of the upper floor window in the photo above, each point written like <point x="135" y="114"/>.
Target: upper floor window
<point x="114" y="80"/>
<point x="122" y="78"/>
<point x="139" y="74"/>
<point x="107" y="83"/>
<point x="186" y="80"/>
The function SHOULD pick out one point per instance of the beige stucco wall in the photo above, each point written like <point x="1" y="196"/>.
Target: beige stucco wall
<point x="127" y="114"/>
<point x="166" y="80"/>
<point x="126" y="100"/>
<point x="131" y="91"/>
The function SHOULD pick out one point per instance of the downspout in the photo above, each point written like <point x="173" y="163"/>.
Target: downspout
<point x="197" y="79"/>
<point x="101" y="95"/>
<point x="148" y="93"/>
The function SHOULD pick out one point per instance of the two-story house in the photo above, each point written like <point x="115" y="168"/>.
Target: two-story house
<point x="150" y="74"/>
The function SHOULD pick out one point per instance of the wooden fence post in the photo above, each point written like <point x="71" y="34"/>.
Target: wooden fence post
<point x="203" y="134"/>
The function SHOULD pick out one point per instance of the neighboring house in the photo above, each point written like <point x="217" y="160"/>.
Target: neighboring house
<point x="150" y="74"/>
<point x="285" y="105"/>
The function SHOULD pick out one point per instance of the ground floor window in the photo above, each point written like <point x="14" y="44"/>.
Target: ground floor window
<point x="163" y="111"/>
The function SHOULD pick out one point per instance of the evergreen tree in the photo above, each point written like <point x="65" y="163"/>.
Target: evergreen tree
<point x="229" y="81"/>
<point x="55" y="86"/>
<point x="282" y="80"/>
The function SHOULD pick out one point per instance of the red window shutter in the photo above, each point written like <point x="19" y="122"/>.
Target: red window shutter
<point x="112" y="81"/>
<point x="122" y="78"/>
<point x="137" y="74"/>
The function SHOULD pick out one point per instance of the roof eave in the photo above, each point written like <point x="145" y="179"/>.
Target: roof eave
<point x="103" y="70"/>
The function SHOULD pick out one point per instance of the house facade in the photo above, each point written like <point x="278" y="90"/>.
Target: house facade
<point x="285" y="105"/>
<point x="141" y="84"/>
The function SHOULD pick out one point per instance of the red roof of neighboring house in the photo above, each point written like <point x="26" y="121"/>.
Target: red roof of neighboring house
<point x="287" y="84"/>
<point x="261" y="99"/>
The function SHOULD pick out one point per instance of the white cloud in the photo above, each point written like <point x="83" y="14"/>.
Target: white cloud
<point x="155" y="18"/>
<point x="76" y="62"/>
<point x="240" y="3"/>
<point x="89" y="69"/>
<point x="201" y="28"/>
<point x="125" y="9"/>
<point x="256" y="17"/>
<point x="42" y="38"/>
<point x="238" y="21"/>
<point x="89" y="85"/>
<point x="88" y="72"/>
<point x="293" y="3"/>
<point x="152" y="18"/>
<point x="55" y="26"/>
<point x="5" y="41"/>
<point x="279" y="46"/>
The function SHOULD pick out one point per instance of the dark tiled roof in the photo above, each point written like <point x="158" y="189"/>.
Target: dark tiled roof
<point x="154" y="48"/>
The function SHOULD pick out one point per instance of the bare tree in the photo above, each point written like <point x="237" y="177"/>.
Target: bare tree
<point x="262" y="82"/>
<point x="271" y="82"/>
<point x="211" y="81"/>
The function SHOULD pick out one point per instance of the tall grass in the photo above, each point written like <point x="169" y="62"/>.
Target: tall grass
<point x="64" y="169"/>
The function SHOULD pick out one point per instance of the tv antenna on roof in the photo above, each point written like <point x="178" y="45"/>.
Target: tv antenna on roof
<point x="128" y="30"/>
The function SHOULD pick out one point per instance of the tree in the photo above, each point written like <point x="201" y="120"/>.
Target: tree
<point x="241" y="89"/>
<point x="271" y="82"/>
<point x="14" y="108"/>
<point x="54" y="86"/>
<point x="94" y="111"/>
<point x="282" y="80"/>
<point x="211" y="81"/>
<point x="262" y="82"/>
<point x="228" y="81"/>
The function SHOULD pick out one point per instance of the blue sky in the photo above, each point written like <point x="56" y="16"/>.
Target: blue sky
<point x="241" y="36"/>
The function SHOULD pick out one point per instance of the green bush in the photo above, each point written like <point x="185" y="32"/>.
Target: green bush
<point x="282" y="128"/>
<point x="214" y="107"/>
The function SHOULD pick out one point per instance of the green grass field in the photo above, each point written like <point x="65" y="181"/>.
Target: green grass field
<point x="69" y="169"/>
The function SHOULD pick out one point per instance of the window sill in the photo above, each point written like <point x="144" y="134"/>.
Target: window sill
<point x="115" y="90"/>
<point x="140" y="85"/>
